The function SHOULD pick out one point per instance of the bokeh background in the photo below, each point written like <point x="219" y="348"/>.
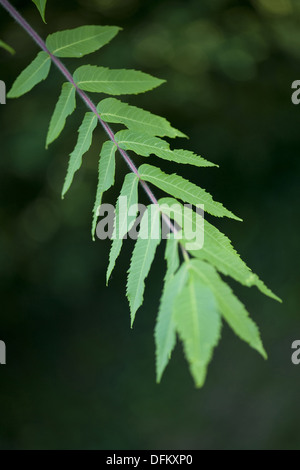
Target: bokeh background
<point x="77" y="376"/>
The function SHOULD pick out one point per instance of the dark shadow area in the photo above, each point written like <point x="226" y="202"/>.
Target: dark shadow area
<point x="77" y="376"/>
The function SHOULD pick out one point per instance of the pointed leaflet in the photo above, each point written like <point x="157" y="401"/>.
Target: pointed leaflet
<point x="106" y="176"/>
<point x="218" y="251"/>
<point x="64" y="107"/>
<point x="142" y="257"/>
<point x="165" y="331"/>
<point x="41" y="6"/>
<point x="84" y="141"/>
<point x="113" y="110"/>
<point x="217" y="248"/>
<point x="8" y="48"/>
<point x="229" y="305"/>
<point x="126" y="212"/>
<point x="198" y="324"/>
<point x="184" y="190"/>
<point x="145" y="145"/>
<point x="80" y="41"/>
<point x="172" y="257"/>
<point x="114" y="82"/>
<point x="35" y="72"/>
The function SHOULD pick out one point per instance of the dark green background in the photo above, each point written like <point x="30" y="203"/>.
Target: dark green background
<point x="76" y="376"/>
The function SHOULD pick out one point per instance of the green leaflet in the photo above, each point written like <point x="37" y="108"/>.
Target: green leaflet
<point x="106" y="177"/>
<point x="64" y="107"/>
<point x="114" y="82"/>
<point x="198" y="324"/>
<point x="8" y="48"/>
<point x="142" y="257"/>
<point x="227" y="261"/>
<point x="113" y="110"/>
<point x="217" y="248"/>
<point x="80" y="41"/>
<point x="84" y="141"/>
<point x="172" y="257"/>
<point x="229" y="305"/>
<point x="41" y="6"/>
<point x="165" y="331"/>
<point x="124" y="219"/>
<point x="194" y="296"/>
<point x="144" y="145"/>
<point x="184" y="190"/>
<point x="35" y="72"/>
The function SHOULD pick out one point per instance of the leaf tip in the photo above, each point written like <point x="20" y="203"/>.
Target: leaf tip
<point x="265" y="355"/>
<point x="261" y="350"/>
<point x="10" y="94"/>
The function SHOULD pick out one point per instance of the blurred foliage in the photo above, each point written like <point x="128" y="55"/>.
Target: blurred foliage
<point x="77" y="376"/>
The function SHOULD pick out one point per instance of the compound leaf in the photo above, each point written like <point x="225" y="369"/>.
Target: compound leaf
<point x="194" y="296"/>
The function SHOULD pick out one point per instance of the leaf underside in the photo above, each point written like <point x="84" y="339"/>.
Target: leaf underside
<point x="184" y="190"/>
<point x="198" y="324"/>
<point x="80" y="41"/>
<point x="142" y="258"/>
<point x="217" y="249"/>
<point x="114" y="82"/>
<point x="115" y="111"/>
<point x="144" y="145"/>
<point x="124" y="218"/>
<point x="165" y="330"/>
<point x="64" y="107"/>
<point x="41" y="6"/>
<point x="194" y="297"/>
<point x="106" y="176"/>
<point x="84" y="141"/>
<point x="33" y="74"/>
<point x="229" y="305"/>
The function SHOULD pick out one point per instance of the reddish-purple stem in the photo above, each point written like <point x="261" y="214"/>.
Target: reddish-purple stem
<point x="35" y="36"/>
